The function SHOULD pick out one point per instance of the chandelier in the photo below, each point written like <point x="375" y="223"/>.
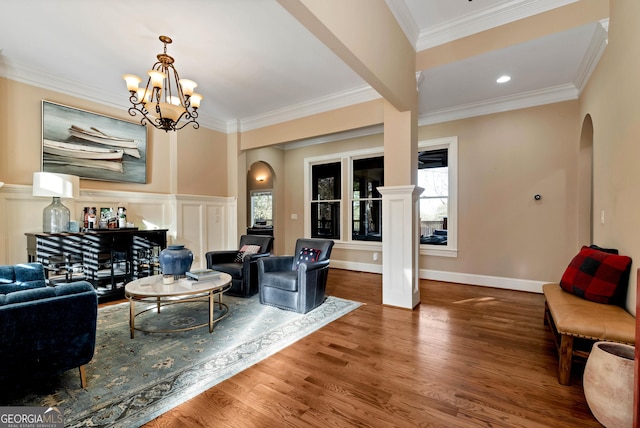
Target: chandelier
<point x="166" y="102"/>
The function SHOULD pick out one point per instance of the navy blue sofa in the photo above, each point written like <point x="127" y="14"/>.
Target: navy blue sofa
<point x="44" y="330"/>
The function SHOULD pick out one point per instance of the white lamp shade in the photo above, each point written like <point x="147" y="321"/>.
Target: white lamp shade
<point x="56" y="185"/>
<point x="195" y="100"/>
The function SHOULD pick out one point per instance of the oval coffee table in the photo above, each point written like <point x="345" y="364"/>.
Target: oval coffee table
<point x="151" y="289"/>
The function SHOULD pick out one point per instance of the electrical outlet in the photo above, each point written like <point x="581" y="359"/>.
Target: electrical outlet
<point x="375" y="257"/>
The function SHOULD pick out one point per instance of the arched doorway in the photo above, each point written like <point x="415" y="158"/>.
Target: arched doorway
<point x="585" y="184"/>
<point x="260" y="199"/>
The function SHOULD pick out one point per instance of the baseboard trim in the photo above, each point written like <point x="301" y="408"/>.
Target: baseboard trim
<point x="484" y="280"/>
<point x="359" y="267"/>
<point x="457" y="277"/>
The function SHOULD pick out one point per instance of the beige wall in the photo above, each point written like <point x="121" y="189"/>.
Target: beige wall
<point x="504" y="160"/>
<point x="338" y="120"/>
<point x="202" y="166"/>
<point x="21" y="146"/>
<point x="611" y="98"/>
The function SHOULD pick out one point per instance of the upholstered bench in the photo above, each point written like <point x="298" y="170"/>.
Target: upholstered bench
<point x="571" y="317"/>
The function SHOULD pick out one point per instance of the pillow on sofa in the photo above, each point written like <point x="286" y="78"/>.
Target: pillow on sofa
<point x="30" y="275"/>
<point x="7" y="274"/>
<point x="308" y="255"/>
<point x="598" y="276"/>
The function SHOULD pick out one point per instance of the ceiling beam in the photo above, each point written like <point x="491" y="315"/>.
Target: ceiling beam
<point x="366" y="36"/>
<point x="536" y="26"/>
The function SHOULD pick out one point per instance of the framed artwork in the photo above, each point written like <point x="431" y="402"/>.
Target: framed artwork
<point x="92" y="145"/>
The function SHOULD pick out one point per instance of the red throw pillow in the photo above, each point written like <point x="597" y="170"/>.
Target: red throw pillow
<point x="597" y="276"/>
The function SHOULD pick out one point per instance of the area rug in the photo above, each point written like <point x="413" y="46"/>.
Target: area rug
<point x="132" y="381"/>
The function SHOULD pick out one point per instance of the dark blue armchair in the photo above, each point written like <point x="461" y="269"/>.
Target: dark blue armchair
<point x="296" y="283"/>
<point x="244" y="273"/>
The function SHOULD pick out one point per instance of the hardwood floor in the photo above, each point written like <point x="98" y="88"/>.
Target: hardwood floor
<point x="468" y="356"/>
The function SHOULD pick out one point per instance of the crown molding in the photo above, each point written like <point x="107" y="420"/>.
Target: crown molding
<point x="485" y="19"/>
<point x="403" y="15"/>
<point x="319" y="105"/>
<point x="20" y="73"/>
<point x="41" y="79"/>
<point x="594" y="52"/>
<point x="552" y="95"/>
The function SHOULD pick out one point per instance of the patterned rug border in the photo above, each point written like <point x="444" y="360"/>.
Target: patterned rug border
<point x="147" y="404"/>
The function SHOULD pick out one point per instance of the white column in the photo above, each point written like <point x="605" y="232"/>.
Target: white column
<point x="400" y="283"/>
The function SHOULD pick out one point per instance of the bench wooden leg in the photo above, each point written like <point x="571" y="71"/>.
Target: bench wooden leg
<point x="566" y="357"/>
<point x="546" y="313"/>
<point x="83" y="377"/>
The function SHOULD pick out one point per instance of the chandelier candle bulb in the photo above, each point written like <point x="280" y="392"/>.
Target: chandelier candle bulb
<point x="157" y="78"/>
<point x="195" y="101"/>
<point x="132" y="82"/>
<point x="188" y="86"/>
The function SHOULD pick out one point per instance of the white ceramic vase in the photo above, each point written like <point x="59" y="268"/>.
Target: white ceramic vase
<point x="608" y="384"/>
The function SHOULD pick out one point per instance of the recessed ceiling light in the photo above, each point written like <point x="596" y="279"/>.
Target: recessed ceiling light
<point x="503" y="79"/>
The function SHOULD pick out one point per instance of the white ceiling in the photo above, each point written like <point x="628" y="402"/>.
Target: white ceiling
<point x="256" y="65"/>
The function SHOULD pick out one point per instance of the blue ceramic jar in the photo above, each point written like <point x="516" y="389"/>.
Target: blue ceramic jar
<point x="175" y="260"/>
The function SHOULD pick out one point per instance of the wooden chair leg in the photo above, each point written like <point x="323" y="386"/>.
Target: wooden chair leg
<point x="83" y="377"/>
<point x="566" y="357"/>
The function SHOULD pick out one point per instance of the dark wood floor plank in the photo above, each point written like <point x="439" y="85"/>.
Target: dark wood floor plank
<point x="467" y="356"/>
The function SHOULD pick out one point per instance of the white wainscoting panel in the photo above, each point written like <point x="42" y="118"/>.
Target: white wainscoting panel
<point x="202" y="223"/>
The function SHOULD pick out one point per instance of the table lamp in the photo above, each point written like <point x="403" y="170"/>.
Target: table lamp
<point x="55" y="217"/>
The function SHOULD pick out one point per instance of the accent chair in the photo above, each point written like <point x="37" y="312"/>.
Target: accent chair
<point x="241" y="264"/>
<point x="296" y="283"/>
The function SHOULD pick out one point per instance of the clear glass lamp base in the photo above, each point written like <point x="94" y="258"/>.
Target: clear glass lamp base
<point x="55" y="217"/>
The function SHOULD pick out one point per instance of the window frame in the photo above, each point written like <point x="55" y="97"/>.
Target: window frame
<point x="256" y="192"/>
<point x="346" y="216"/>
<point x="329" y="201"/>
<point x="352" y="198"/>
<point x="451" y="248"/>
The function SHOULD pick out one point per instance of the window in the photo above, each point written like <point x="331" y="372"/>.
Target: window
<point x="366" y="214"/>
<point x="261" y="208"/>
<point x="349" y="209"/>
<point x="325" y="204"/>
<point x="437" y="175"/>
<point x="433" y="177"/>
